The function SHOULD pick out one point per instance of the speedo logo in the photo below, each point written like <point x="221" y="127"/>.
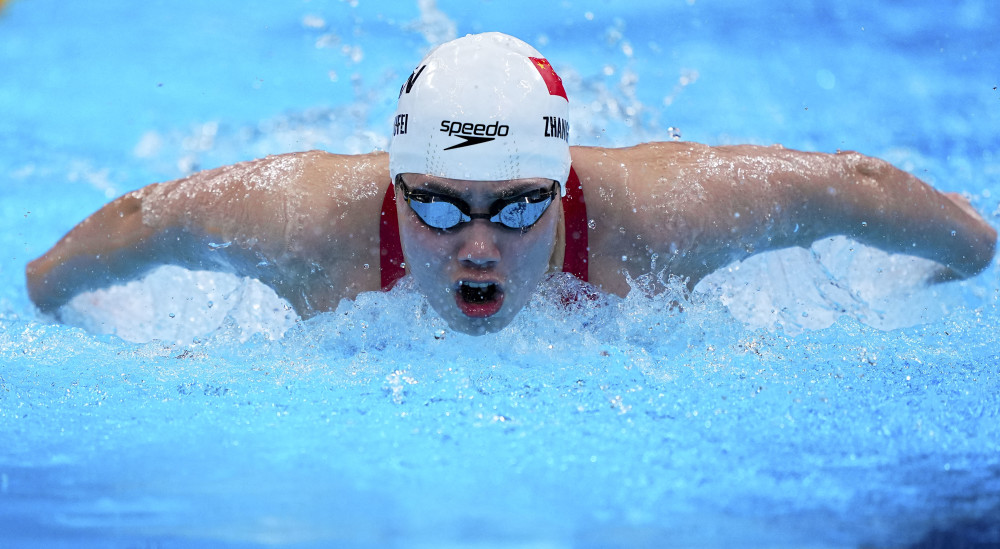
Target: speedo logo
<point x="471" y="133"/>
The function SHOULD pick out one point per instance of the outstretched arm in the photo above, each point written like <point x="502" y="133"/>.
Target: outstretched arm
<point x="283" y="220"/>
<point x="699" y="208"/>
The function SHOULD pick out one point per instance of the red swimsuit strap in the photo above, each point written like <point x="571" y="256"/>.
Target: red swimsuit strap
<point x="574" y="213"/>
<point x="575" y="217"/>
<point x="390" y="248"/>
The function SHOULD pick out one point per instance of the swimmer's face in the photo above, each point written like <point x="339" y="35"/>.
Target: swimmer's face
<point x="479" y="274"/>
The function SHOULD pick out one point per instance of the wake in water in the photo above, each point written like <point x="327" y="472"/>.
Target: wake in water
<point x="645" y="416"/>
<point x="787" y="291"/>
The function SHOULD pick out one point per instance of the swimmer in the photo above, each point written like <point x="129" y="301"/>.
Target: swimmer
<point x="480" y="196"/>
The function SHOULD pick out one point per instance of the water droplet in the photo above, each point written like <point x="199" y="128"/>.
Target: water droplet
<point x="624" y="258"/>
<point x="171" y="315"/>
<point x="675" y="133"/>
<point x="439" y="334"/>
<point x="591" y="224"/>
<point x="953" y="233"/>
<point x="210" y="304"/>
<point x="864" y="223"/>
<point x="367" y="266"/>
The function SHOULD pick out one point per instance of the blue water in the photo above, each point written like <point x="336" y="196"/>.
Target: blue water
<point x="807" y="398"/>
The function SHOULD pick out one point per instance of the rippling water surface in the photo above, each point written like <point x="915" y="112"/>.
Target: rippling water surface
<point x="808" y="398"/>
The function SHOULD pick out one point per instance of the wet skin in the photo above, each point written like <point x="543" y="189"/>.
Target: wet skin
<point x="307" y="224"/>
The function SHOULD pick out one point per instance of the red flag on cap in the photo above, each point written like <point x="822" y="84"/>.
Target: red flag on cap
<point x="552" y="80"/>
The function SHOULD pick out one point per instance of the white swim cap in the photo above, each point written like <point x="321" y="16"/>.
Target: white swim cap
<point x="485" y="107"/>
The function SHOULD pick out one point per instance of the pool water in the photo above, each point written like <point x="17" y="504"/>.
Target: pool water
<point x="805" y="398"/>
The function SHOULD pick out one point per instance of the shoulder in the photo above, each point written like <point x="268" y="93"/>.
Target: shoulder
<point x="333" y="213"/>
<point x="342" y="188"/>
<point x="343" y="178"/>
<point x="620" y="179"/>
<point x="641" y="168"/>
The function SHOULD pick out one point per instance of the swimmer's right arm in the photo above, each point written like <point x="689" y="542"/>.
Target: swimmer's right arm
<point x="278" y="219"/>
<point x="108" y="246"/>
<point x="166" y="223"/>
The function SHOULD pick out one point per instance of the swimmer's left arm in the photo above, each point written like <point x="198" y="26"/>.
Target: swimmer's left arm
<point x="871" y="201"/>
<point x="699" y="208"/>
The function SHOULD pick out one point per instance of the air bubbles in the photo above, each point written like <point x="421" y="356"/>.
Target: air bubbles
<point x="825" y="79"/>
<point x="354" y="53"/>
<point x="313" y="22"/>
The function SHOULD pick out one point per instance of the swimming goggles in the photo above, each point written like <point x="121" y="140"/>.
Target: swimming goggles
<point x="447" y="212"/>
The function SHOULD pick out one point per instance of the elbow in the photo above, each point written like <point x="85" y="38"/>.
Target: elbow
<point x="39" y="289"/>
<point x="983" y="252"/>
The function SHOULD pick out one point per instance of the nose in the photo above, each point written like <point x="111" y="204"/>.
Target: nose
<point x="479" y="245"/>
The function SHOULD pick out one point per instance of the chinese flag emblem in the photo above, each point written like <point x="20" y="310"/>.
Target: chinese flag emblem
<point x="552" y="80"/>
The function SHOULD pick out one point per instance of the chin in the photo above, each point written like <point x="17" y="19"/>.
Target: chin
<point x="477" y="326"/>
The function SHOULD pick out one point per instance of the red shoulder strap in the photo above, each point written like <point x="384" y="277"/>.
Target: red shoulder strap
<point x="390" y="248"/>
<point x="575" y="217"/>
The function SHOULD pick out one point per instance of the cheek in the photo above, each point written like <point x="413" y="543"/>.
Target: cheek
<point x="424" y="255"/>
<point x="534" y="251"/>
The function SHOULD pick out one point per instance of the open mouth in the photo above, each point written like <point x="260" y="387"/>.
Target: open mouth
<point x="479" y="299"/>
<point x="478" y="292"/>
